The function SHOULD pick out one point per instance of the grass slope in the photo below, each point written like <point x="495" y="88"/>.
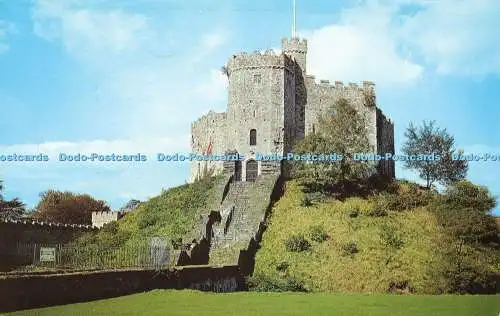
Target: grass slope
<point x="401" y="250"/>
<point x="162" y="302"/>
<point x="172" y="214"/>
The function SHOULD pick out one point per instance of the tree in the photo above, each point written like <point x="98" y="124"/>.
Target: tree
<point x="130" y="206"/>
<point x="68" y="207"/>
<point x="427" y="140"/>
<point x="10" y="210"/>
<point x="342" y="130"/>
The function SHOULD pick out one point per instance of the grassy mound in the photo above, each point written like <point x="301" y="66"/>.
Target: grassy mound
<point x="172" y="214"/>
<point x="360" y="245"/>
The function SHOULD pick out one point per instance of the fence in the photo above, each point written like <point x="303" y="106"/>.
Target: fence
<point x="76" y="258"/>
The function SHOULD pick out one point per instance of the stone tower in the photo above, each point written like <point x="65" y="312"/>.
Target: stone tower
<point x="272" y="103"/>
<point x="297" y="49"/>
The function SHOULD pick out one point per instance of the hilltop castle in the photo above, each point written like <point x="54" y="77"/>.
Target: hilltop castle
<point x="273" y="102"/>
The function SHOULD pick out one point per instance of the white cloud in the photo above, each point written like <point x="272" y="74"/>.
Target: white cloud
<point x="214" y="89"/>
<point x="5" y="29"/>
<point x="361" y="46"/>
<point x="85" y="31"/>
<point x="457" y="37"/>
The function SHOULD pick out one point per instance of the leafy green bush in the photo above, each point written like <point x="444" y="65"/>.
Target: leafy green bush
<point x="318" y="233"/>
<point x="353" y="213"/>
<point x="297" y="243"/>
<point x="282" y="266"/>
<point x="390" y="237"/>
<point x="379" y="208"/>
<point x="349" y="248"/>
<point x="306" y="201"/>
<point x="465" y="194"/>
<point x="263" y="283"/>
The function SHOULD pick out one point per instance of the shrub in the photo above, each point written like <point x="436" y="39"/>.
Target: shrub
<point x="318" y="233"/>
<point x="264" y="283"/>
<point x="390" y="237"/>
<point x="379" y="208"/>
<point x="306" y="201"/>
<point x="349" y="248"/>
<point x="353" y="213"/>
<point x="282" y="266"/>
<point x="297" y="243"/>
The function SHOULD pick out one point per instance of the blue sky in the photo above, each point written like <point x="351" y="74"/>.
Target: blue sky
<point x="130" y="76"/>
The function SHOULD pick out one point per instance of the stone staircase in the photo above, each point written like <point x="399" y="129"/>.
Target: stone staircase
<point x="241" y="214"/>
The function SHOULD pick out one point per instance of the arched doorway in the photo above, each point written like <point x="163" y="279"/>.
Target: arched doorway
<point x="252" y="170"/>
<point x="237" y="170"/>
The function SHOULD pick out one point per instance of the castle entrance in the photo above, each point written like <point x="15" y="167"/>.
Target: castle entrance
<point x="237" y="170"/>
<point x="252" y="170"/>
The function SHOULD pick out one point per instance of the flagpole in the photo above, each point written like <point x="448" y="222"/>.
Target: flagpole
<point x="294" y="22"/>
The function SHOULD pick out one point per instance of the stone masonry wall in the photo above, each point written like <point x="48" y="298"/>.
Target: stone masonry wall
<point x="12" y="233"/>
<point x="99" y="219"/>
<point x="322" y="96"/>
<point x="18" y="292"/>
<point x="385" y="142"/>
<point x="272" y="93"/>
<point x="209" y="129"/>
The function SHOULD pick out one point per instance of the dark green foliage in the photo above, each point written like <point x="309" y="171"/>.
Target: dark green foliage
<point x="306" y="201"/>
<point x="263" y="283"/>
<point x="297" y="243"/>
<point x="461" y="270"/>
<point x="464" y="212"/>
<point x="379" y="207"/>
<point x="465" y="194"/>
<point x="400" y="287"/>
<point x="353" y="213"/>
<point x="282" y="266"/>
<point x="343" y="131"/>
<point x="11" y="210"/>
<point x="429" y="139"/>
<point x="390" y="237"/>
<point x="318" y="233"/>
<point x="312" y="198"/>
<point x="349" y="248"/>
<point x="410" y="198"/>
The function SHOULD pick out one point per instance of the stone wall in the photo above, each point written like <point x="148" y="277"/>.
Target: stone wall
<point x="323" y="95"/>
<point x="208" y="131"/>
<point x="12" y="233"/>
<point x="99" y="219"/>
<point x="385" y="143"/>
<point x="19" y="292"/>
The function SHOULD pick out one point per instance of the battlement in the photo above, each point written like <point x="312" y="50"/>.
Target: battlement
<point x="364" y="86"/>
<point x="296" y="45"/>
<point x="209" y="118"/>
<point x="99" y="219"/>
<point x="259" y="60"/>
<point x="42" y="224"/>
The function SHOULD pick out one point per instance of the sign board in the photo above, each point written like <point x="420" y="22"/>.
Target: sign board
<point x="47" y="254"/>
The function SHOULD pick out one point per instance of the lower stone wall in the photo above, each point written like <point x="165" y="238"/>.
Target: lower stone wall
<point x="18" y="292"/>
<point x="12" y="233"/>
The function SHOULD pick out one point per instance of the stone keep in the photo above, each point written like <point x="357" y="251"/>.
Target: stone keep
<point x="272" y="102"/>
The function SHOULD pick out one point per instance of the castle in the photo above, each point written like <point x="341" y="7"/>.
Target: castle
<point x="272" y="103"/>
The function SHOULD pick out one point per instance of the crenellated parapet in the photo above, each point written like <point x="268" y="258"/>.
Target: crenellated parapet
<point x="268" y="59"/>
<point x="42" y="224"/>
<point x="294" y="45"/>
<point x="209" y="118"/>
<point x="99" y="219"/>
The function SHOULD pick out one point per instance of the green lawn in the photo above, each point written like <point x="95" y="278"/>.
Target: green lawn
<point x="166" y="302"/>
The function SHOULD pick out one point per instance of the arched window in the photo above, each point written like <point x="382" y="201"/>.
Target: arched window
<point x="253" y="137"/>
